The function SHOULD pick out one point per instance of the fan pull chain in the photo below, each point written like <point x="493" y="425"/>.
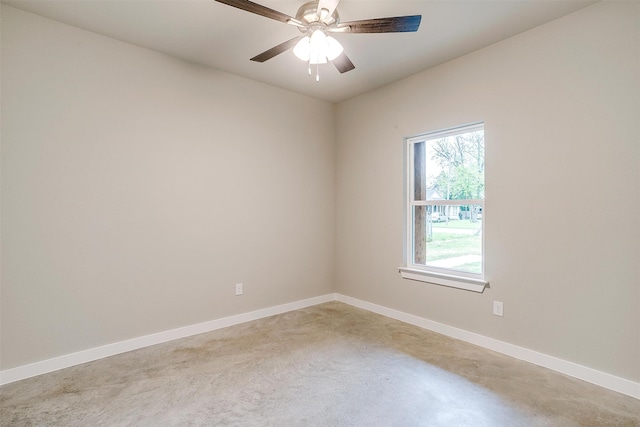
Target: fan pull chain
<point x="317" y="71"/>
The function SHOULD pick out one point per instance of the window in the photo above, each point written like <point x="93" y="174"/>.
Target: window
<point x="444" y="207"/>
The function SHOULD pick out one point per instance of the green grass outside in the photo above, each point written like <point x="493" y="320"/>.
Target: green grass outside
<point x="445" y="245"/>
<point x="472" y="267"/>
<point x="457" y="223"/>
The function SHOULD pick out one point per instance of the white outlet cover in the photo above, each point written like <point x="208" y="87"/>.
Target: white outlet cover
<point x="498" y="308"/>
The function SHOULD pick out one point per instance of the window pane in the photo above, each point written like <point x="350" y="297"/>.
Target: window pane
<point x="455" y="167"/>
<point x="453" y="237"/>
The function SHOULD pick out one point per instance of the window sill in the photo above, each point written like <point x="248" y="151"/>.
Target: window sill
<point x="459" y="282"/>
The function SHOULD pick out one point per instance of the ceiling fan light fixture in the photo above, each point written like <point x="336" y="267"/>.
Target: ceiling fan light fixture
<point x="319" y="46"/>
<point x="318" y="49"/>
<point x="334" y="48"/>
<point x="315" y="60"/>
<point x="302" y="49"/>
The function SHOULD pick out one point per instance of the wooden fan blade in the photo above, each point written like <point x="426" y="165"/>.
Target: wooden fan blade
<point x="397" y="24"/>
<point x="258" y="9"/>
<point x="330" y="5"/>
<point x="276" y="50"/>
<point x="343" y="63"/>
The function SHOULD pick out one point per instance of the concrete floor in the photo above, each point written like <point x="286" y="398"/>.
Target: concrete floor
<point x="328" y="365"/>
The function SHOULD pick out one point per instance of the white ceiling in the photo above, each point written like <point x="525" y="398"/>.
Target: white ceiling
<point x="223" y="37"/>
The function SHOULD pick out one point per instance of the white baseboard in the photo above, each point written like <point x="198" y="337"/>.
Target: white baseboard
<point x="593" y="376"/>
<point x="602" y="379"/>
<point x="26" y="371"/>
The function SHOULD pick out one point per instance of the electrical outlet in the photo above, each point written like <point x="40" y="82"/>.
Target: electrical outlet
<point x="498" y="308"/>
<point x="238" y="288"/>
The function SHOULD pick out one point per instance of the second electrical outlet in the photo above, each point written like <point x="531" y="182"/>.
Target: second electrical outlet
<point x="238" y="288"/>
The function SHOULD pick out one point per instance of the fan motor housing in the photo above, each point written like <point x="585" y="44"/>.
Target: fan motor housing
<point x="307" y="13"/>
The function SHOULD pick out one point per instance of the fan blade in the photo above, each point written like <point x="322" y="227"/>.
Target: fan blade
<point x="329" y="5"/>
<point x="258" y="9"/>
<point x="397" y="24"/>
<point x="277" y="50"/>
<point x="343" y="63"/>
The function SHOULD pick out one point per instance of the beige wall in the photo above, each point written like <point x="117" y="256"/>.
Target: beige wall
<point x="138" y="189"/>
<point x="561" y="105"/>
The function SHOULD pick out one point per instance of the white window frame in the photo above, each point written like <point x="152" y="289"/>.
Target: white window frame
<point x="439" y="276"/>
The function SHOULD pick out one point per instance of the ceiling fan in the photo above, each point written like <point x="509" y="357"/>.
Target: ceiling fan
<point x="316" y="20"/>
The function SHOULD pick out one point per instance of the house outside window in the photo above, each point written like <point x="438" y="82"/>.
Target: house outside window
<point x="444" y="207"/>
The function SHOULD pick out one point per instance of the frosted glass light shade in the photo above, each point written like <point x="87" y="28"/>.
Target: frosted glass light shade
<point x="302" y="49"/>
<point x="334" y="48"/>
<point x="318" y="49"/>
